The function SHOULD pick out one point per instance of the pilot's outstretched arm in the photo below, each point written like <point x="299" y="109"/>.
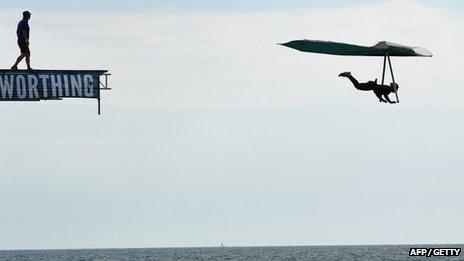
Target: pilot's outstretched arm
<point x="388" y="99"/>
<point x="379" y="95"/>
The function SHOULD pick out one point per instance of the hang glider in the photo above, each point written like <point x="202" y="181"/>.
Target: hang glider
<point x="382" y="49"/>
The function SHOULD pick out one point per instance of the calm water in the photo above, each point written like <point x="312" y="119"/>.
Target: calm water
<point x="227" y="253"/>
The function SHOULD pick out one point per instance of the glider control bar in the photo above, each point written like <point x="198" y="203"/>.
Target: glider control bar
<point x="395" y="86"/>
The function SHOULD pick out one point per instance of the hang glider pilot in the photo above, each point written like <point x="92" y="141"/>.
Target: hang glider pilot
<point x="23" y="41"/>
<point x="379" y="90"/>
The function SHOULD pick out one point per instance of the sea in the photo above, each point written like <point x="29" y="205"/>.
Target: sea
<point x="371" y="252"/>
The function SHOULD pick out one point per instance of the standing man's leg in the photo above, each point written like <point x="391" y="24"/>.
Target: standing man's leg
<point x="28" y="61"/>
<point x="25" y="52"/>
<point x="18" y="60"/>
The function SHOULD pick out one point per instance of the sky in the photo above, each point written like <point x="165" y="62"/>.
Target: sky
<point x="202" y="5"/>
<point x="215" y="134"/>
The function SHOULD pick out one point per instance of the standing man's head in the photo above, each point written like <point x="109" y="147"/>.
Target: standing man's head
<point x="26" y="15"/>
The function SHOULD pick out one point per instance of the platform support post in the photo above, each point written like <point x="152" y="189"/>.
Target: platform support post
<point x="98" y="105"/>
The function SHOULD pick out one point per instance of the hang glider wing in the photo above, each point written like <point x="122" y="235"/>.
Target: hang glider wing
<point x="334" y="48"/>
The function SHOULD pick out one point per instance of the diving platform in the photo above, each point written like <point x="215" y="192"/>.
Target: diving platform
<point x="38" y="85"/>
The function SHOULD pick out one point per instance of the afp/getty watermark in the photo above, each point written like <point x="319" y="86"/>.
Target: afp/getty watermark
<point x="432" y="251"/>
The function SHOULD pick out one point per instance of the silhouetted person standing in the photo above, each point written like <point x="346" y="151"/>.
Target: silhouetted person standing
<point x="23" y="41"/>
